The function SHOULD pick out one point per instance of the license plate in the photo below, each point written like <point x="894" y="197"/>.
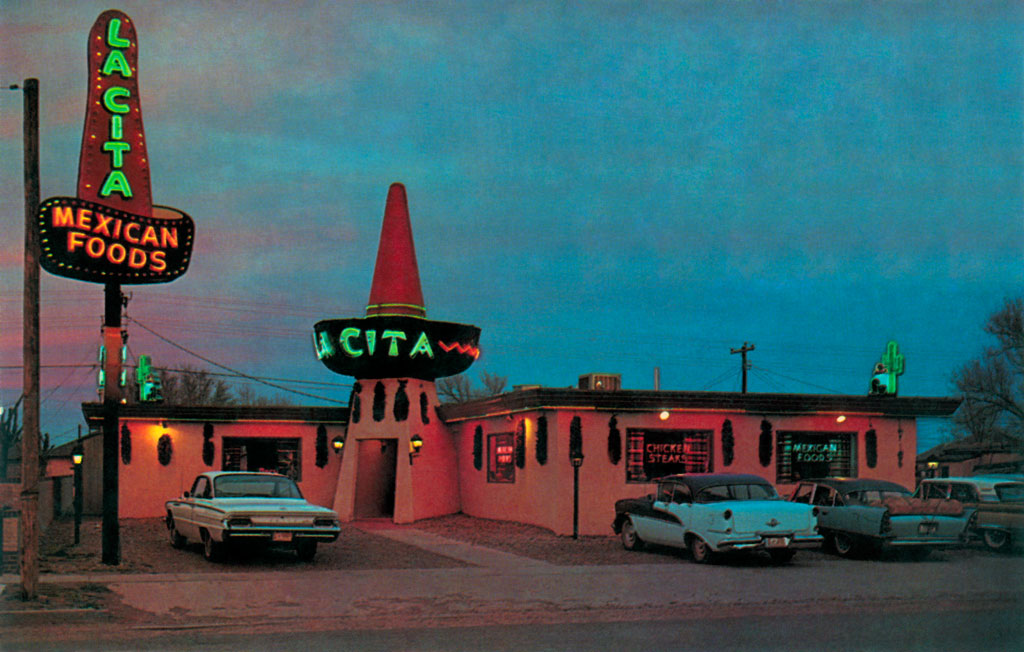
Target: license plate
<point x="282" y="536"/>
<point x="775" y="542"/>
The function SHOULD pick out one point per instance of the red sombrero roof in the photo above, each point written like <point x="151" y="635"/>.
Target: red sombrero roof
<point x="396" y="278"/>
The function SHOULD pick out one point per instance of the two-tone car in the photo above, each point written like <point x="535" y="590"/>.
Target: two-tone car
<point x="714" y="513"/>
<point x="231" y="507"/>
<point x="998" y="499"/>
<point x="864" y="516"/>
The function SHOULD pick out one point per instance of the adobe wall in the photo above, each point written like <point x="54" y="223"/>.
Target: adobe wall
<point x="146" y="484"/>
<point x="542" y="494"/>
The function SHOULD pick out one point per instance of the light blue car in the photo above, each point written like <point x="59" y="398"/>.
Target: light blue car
<point x="713" y="513"/>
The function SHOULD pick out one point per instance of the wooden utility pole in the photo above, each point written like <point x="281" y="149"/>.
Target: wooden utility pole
<point x="743" y="355"/>
<point x="29" y="523"/>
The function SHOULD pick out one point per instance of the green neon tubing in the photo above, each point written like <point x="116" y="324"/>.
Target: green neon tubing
<point x="371" y="340"/>
<point x="394" y="336"/>
<point x="110" y="99"/>
<point x="116" y="130"/>
<point x="116" y="182"/>
<point x="422" y="346"/>
<point x="117" y="149"/>
<point x="116" y="63"/>
<point x="114" y="39"/>
<point x="346" y="335"/>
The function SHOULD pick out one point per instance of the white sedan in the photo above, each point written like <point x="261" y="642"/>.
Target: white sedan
<point x="226" y="507"/>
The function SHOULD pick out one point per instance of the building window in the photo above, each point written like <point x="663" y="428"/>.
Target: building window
<point x="277" y="455"/>
<point x="651" y="454"/>
<point x="803" y="455"/>
<point x="500" y="458"/>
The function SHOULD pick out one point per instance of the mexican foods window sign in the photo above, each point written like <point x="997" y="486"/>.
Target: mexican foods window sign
<point x="111" y="231"/>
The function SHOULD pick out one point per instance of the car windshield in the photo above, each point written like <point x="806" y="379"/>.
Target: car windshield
<point x="876" y="495"/>
<point x="718" y="493"/>
<point x="1010" y="493"/>
<point x="256" y="486"/>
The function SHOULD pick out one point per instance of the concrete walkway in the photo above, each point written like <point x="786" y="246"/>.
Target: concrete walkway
<point x="467" y="552"/>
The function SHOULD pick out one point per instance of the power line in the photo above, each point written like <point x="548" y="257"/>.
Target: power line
<point x="797" y="380"/>
<point x="234" y="371"/>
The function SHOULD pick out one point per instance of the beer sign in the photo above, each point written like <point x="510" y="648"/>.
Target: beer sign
<point x="111" y="232"/>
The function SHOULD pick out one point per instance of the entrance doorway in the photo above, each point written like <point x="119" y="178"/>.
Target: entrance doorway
<point x="375" y="478"/>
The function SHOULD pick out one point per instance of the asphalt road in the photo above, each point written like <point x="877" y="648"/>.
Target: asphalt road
<point x="971" y="630"/>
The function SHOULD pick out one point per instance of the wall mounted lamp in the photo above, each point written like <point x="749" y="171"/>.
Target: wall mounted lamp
<point x="415" y="444"/>
<point x="338" y="443"/>
<point x="76" y="456"/>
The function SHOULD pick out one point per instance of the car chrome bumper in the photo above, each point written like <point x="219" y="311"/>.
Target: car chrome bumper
<point x="264" y="533"/>
<point x="759" y="542"/>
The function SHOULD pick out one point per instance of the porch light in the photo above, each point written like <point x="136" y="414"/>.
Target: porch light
<point x="415" y="444"/>
<point x="338" y="443"/>
<point x="76" y="456"/>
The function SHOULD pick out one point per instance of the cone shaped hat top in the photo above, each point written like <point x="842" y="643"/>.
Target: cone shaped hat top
<point x="396" y="278"/>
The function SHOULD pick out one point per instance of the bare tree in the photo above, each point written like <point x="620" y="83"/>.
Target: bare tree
<point x="10" y="434"/>
<point x="192" y="386"/>
<point x="459" y="388"/>
<point x="992" y="386"/>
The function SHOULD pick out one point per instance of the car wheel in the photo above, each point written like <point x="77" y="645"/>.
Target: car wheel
<point x="781" y="556"/>
<point x="996" y="540"/>
<point x="177" y="540"/>
<point x="844" y="544"/>
<point x="212" y="550"/>
<point x="306" y="550"/>
<point x="630" y="539"/>
<point x="701" y="551"/>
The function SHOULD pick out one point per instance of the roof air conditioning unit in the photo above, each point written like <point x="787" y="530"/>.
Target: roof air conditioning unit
<point x="608" y="382"/>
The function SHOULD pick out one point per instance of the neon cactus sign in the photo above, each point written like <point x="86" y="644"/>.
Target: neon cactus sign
<point x="888" y="370"/>
<point x="111" y="231"/>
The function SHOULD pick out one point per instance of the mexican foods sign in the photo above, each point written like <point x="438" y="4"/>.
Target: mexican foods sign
<point x="111" y="231"/>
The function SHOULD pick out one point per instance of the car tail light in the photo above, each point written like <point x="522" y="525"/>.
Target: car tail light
<point x="727" y="515"/>
<point x="886" y="523"/>
<point x="239" y="522"/>
<point x="324" y="522"/>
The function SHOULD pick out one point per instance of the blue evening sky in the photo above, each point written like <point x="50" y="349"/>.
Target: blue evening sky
<point x="601" y="187"/>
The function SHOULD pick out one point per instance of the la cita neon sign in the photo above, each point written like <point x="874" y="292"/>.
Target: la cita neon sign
<point x="111" y="231"/>
<point x="395" y="347"/>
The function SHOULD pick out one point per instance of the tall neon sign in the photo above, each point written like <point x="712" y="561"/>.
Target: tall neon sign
<point x="111" y="231"/>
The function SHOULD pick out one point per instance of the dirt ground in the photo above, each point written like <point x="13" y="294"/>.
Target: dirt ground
<point x="145" y="548"/>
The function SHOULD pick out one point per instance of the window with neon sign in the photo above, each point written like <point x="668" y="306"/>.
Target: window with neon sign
<point x="501" y="450"/>
<point x="814" y="455"/>
<point x="651" y="454"/>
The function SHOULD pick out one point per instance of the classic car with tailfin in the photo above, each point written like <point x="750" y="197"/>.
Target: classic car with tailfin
<point x="710" y="514"/>
<point x="860" y="516"/>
